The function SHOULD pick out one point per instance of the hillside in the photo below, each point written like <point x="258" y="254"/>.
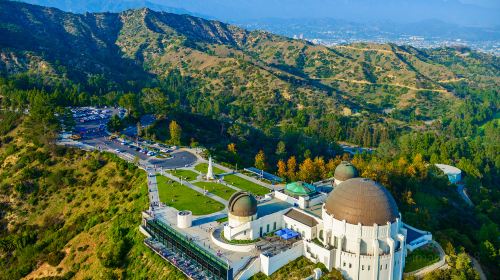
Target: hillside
<point x="233" y="66"/>
<point x="70" y="214"/>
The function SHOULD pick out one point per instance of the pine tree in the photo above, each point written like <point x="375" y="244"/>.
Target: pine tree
<point x="307" y="170"/>
<point x="231" y="147"/>
<point x="139" y="129"/>
<point x="281" y="149"/>
<point x="175" y="133"/>
<point x="292" y="168"/>
<point x="260" y="160"/>
<point x="282" y="169"/>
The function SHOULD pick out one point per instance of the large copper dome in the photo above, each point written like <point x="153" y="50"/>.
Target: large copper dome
<point x="242" y="204"/>
<point x="345" y="171"/>
<point x="361" y="200"/>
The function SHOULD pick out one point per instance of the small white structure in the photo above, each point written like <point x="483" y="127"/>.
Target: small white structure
<point x="184" y="219"/>
<point x="454" y="174"/>
<point x="317" y="273"/>
<point x="210" y="171"/>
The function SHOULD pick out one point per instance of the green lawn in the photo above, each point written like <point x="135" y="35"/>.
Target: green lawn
<point x="420" y="258"/>
<point x="203" y="167"/>
<point x="217" y="189"/>
<point x="183" y="198"/>
<point x="246" y="185"/>
<point x="185" y="174"/>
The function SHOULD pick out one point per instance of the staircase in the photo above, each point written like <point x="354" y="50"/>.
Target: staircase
<point x="247" y="265"/>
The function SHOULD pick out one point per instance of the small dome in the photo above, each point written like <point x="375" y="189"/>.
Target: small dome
<point x="361" y="200"/>
<point x="345" y="171"/>
<point x="242" y="204"/>
<point x="299" y="189"/>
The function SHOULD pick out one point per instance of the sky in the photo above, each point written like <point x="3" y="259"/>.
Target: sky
<point x="462" y="12"/>
<point x="483" y="3"/>
<point x="482" y="13"/>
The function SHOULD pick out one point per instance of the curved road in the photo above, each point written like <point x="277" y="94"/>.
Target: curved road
<point x="180" y="159"/>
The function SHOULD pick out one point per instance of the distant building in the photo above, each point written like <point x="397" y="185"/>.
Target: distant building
<point x="454" y="174"/>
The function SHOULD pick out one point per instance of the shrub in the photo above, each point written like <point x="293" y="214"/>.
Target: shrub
<point x="54" y="258"/>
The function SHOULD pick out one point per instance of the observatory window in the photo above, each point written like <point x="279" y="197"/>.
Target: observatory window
<point x="344" y="263"/>
<point x="368" y="267"/>
<point x="362" y="267"/>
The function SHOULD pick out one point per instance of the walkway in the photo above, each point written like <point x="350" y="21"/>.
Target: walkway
<point x="154" y="197"/>
<point x="478" y="268"/>
<point x="463" y="194"/>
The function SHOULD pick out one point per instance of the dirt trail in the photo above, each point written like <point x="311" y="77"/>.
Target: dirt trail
<point x="384" y="84"/>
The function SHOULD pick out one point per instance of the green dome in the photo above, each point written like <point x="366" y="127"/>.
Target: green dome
<point x="299" y="189"/>
<point x="345" y="171"/>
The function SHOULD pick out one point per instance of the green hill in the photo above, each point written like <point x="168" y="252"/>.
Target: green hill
<point x="235" y="67"/>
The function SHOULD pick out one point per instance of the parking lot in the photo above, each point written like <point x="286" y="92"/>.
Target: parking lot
<point x="177" y="159"/>
<point x="90" y="126"/>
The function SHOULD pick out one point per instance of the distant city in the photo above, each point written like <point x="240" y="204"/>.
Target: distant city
<point x="429" y="34"/>
<point x="415" y="41"/>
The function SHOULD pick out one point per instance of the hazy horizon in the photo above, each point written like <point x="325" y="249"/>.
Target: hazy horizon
<point x="464" y="12"/>
<point x="482" y="13"/>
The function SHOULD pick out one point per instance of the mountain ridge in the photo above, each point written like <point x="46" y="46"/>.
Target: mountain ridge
<point x="135" y="46"/>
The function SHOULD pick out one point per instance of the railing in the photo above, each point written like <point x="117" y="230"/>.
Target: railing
<point x="245" y="266"/>
<point x="189" y="243"/>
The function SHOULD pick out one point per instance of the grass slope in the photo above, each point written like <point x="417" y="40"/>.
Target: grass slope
<point x="420" y="258"/>
<point x="72" y="214"/>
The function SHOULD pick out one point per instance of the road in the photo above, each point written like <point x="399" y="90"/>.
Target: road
<point x="478" y="268"/>
<point x="463" y="194"/>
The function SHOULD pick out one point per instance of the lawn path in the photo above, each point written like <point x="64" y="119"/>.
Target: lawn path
<point x="248" y="178"/>
<point x="193" y="187"/>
